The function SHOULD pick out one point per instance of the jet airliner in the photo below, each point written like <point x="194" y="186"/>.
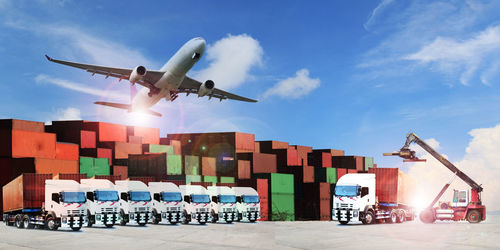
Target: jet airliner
<point x="166" y="83"/>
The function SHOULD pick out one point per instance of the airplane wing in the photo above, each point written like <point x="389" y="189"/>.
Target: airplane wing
<point x="190" y="85"/>
<point x="150" y="77"/>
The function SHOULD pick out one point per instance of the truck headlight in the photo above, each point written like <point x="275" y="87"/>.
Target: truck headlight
<point x="355" y="213"/>
<point x="98" y="217"/>
<point x="64" y="219"/>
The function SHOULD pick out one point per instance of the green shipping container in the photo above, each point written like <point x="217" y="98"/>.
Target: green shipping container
<point x="101" y="166"/>
<point x="212" y="179"/>
<point x="191" y="165"/>
<point x="368" y="163"/>
<point x="225" y="179"/>
<point x="193" y="178"/>
<point x="278" y="183"/>
<point x="87" y="166"/>
<point x="153" y="148"/>
<point x="174" y="164"/>
<point x="331" y="175"/>
<point x="282" y="207"/>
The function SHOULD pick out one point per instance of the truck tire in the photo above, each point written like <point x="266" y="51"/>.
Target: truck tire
<point x="122" y="218"/>
<point x="26" y="222"/>
<point x="89" y="218"/>
<point x="427" y="216"/>
<point x="343" y="222"/>
<point x="18" y="221"/>
<point x="369" y="218"/>
<point x="214" y="218"/>
<point x="185" y="219"/>
<point x="173" y="223"/>
<point x="51" y="223"/>
<point x="202" y="223"/>
<point x="155" y="219"/>
<point x="393" y="217"/>
<point x="76" y="228"/>
<point x="401" y="216"/>
<point x="474" y="216"/>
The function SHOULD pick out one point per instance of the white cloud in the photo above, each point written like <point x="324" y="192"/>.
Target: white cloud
<point x="480" y="162"/>
<point x="231" y="60"/>
<point x="66" y="114"/>
<point x="294" y="87"/>
<point x="451" y="55"/>
<point x="376" y="12"/>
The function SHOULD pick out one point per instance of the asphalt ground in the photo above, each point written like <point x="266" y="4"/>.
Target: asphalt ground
<point x="264" y="235"/>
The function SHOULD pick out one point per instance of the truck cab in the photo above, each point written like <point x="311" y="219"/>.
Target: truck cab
<point x="167" y="202"/>
<point x="354" y="197"/>
<point x="223" y="204"/>
<point x="247" y="203"/>
<point x="135" y="202"/>
<point x="65" y="203"/>
<point x="103" y="202"/>
<point x="196" y="204"/>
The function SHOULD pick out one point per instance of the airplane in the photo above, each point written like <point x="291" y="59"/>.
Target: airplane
<point x="166" y="83"/>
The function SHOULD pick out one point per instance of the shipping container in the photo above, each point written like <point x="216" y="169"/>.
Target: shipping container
<point x="278" y="183"/>
<point x="107" y="132"/>
<point x="256" y="147"/>
<point x="368" y="163"/>
<point x="269" y="146"/>
<point x="320" y="159"/>
<point x="319" y="174"/>
<point x="211" y="179"/>
<point x="147" y="165"/>
<point x="331" y="175"/>
<point x="302" y="154"/>
<point x="149" y="135"/>
<point x="177" y="146"/>
<point x="315" y="205"/>
<point x="135" y="139"/>
<point x="244" y="169"/>
<point x="286" y="157"/>
<point x="75" y="177"/>
<point x="174" y="164"/>
<point x="352" y="171"/>
<point x="25" y="192"/>
<point x="282" y="207"/>
<point x="193" y="178"/>
<point x="54" y="166"/>
<point x="225" y="179"/>
<point x="121" y="171"/>
<point x="301" y="174"/>
<point x="21" y="144"/>
<point x="153" y="148"/>
<point x="73" y="132"/>
<point x="208" y="166"/>
<point x="98" y="153"/>
<point x="191" y="165"/>
<point x="341" y="172"/>
<point x="260" y="163"/>
<point x="94" y="166"/>
<point x="333" y="152"/>
<point x="393" y="186"/>
<point x="88" y="139"/>
<point x="121" y="150"/>
<point x="348" y="162"/>
<point x="198" y="143"/>
<point x="13" y="124"/>
<point x="66" y="151"/>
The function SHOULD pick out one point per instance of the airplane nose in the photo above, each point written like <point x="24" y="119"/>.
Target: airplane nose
<point x="201" y="45"/>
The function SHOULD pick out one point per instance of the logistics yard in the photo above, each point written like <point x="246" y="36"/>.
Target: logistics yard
<point x="265" y="235"/>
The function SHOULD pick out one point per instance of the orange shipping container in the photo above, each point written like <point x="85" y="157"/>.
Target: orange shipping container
<point x="26" y="191"/>
<point x="19" y="144"/>
<point x="149" y="135"/>
<point x="121" y="171"/>
<point x="107" y="132"/>
<point x="208" y="166"/>
<point x="393" y="186"/>
<point x="55" y="166"/>
<point x="134" y="139"/>
<point x="244" y="171"/>
<point x="177" y="146"/>
<point x="244" y="142"/>
<point x="13" y="124"/>
<point x="121" y="150"/>
<point x="66" y="151"/>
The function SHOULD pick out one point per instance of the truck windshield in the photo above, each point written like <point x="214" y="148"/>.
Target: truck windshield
<point x="250" y="199"/>
<point x="73" y="197"/>
<point x="200" y="198"/>
<point x="171" y="196"/>
<point x="227" y="199"/>
<point x="140" y="196"/>
<point x="351" y="191"/>
<point x="106" y="195"/>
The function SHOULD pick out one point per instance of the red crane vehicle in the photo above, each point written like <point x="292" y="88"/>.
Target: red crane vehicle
<point x="463" y="207"/>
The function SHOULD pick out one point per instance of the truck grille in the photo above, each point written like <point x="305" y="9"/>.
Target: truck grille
<point x="75" y="212"/>
<point x="141" y="209"/>
<point x="251" y="209"/>
<point x="109" y="209"/>
<point x="343" y="205"/>
<point x="228" y="209"/>
<point x="173" y="209"/>
<point x="202" y="210"/>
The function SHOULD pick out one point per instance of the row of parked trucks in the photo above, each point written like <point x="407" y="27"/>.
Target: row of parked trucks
<point x="72" y="205"/>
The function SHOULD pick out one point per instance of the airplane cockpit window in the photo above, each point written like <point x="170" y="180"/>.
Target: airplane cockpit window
<point x="196" y="56"/>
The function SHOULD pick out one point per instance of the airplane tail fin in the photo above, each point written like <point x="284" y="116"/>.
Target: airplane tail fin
<point x="127" y="107"/>
<point x="133" y="91"/>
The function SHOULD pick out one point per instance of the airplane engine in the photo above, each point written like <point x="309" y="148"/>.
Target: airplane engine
<point x="137" y="74"/>
<point x="206" y="88"/>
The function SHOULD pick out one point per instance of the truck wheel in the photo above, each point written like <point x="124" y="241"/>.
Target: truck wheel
<point x="185" y="219"/>
<point x="109" y="225"/>
<point x="369" y="218"/>
<point x="401" y="216"/>
<point x="473" y="216"/>
<point x="51" y="223"/>
<point x="26" y="222"/>
<point x="393" y="218"/>
<point x="155" y="217"/>
<point x="18" y="221"/>
<point x="122" y="218"/>
<point x="76" y="228"/>
<point x="142" y="224"/>
<point x="343" y="222"/>
<point x="214" y="218"/>
<point x="89" y="218"/>
<point x="427" y="216"/>
<point x="173" y="223"/>
<point x="203" y="223"/>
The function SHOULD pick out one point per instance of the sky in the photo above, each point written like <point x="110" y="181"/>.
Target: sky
<point x="351" y="75"/>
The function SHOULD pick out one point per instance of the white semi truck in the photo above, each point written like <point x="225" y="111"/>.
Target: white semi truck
<point x="135" y="202"/>
<point x="223" y="204"/>
<point x="167" y="202"/>
<point x="103" y="202"/>
<point x="196" y="204"/>
<point x="247" y="203"/>
<point x="64" y="205"/>
<point x="381" y="195"/>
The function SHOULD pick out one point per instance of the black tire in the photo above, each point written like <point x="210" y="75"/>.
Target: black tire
<point x="154" y="219"/>
<point x="26" y="222"/>
<point x="240" y="217"/>
<point x="229" y="222"/>
<point x="185" y="219"/>
<point x="76" y="228"/>
<point x="214" y="218"/>
<point x="89" y="218"/>
<point x="18" y="221"/>
<point x="401" y="216"/>
<point x="427" y="216"/>
<point x="109" y="225"/>
<point x="202" y="223"/>
<point x="393" y="217"/>
<point x="51" y="223"/>
<point x="369" y="218"/>
<point x="252" y="221"/>
<point x="343" y="222"/>
<point x="474" y="216"/>
<point x="122" y="218"/>
<point x="173" y="223"/>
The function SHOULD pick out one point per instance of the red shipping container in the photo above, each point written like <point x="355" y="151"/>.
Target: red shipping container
<point x="302" y="152"/>
<point x="87" y="139"/>
<point x="260" y="163"/>
<point x="13" y="124"/>
<point x="269" y="146"/>
<point x="393" y="186"/>
<point x="333" y="152"/>
<point x="262" y="190"/>
<point x="341" y="172"/>
<point x="360" y="165"/>
<point x="121" y="171"/>
<point x="244" y="142"/>
<point x="320" y="159"/>
<point x="54" y="166"/>
<point x="145" y="179"/>
<point x="208" y="166"/>
<point x="256" y="147"/>
<point x="107" y="132"/>
<point x="121" y="150"/>
<point x="149" y="135"/>
<point x="134" y="139"/>
<point x="374" y="165"/>
<point x="244" y="170"/>
<point x="75" y="177"/>
<point x="352" y="171"/>
<point x="177" y="146"/>
<point x="66" y="151"/>
<point x="19" y="144"/>
<point x="26" y="191"/>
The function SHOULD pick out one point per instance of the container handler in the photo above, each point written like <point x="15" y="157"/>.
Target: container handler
<point x="223" y="205"/>
<point x="247" y="203"/>
<point x="34" y="200"/>
<point x="196" y="204"/>
<point x="167" y="202"/>
<point x="135" y="202"/>
<point x="463" y="207"/>
<point x="103" y="202"/>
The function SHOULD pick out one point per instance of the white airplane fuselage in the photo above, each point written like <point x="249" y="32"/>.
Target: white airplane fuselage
<point x="175" y="71"/>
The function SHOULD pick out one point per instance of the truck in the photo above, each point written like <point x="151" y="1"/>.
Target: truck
<point x="135" y="202"/>
<point x="382" y="195"/>
<point x="223" y="204"/>
<point x="103" y="202"/>
<point x="167" y="203"/>
<point x="247" y="203"/>
<point x="196" y="204"/>
<point x="35" y="200"/>
<point x="465" y="206"/>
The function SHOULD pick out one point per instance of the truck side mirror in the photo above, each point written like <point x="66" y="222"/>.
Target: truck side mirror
<point x="186" y="198"/>
<point x="214" y="199"/>
<point x="364" y="191"/>
<point x="90" y="196"/>
<point x="55" y="197"/>
<point x="124" y="196"/>
<point x="156" y="196"/>
<point x="238" y="199"/>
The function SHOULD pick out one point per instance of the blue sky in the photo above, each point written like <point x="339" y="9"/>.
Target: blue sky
<point x="352" y="75"/>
